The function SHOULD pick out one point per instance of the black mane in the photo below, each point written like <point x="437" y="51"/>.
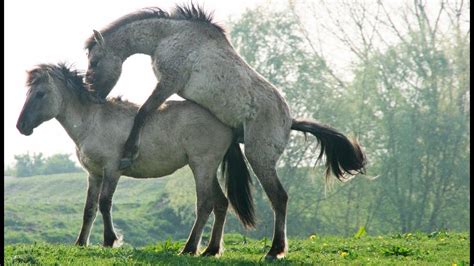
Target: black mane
<point x="71" y="77"/>
<point x="185" y="12"/>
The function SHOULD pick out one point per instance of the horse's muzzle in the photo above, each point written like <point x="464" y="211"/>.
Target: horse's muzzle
<point x="24" y="128"/>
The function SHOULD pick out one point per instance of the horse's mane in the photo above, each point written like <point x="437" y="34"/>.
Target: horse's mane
<point x="180" y="12"/>
<point x="72" y="78"/>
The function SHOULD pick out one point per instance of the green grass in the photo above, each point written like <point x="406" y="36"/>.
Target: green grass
<point x="49" y="208"/>
<point x="409" y="249"/>
<point x="43" y="214"/>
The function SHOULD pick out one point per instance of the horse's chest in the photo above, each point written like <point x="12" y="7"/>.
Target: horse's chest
<point x="92" y="160"/>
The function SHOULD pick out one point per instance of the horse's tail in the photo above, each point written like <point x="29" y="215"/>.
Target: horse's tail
<point x="238" y="182"/>
<point x="342" y="155"/>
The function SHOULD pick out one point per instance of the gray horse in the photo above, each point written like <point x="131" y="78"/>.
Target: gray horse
<point x="191" y="56"/>
<point x="179" y="133"/>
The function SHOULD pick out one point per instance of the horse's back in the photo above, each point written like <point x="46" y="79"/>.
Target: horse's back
<point x="178" y="132"/>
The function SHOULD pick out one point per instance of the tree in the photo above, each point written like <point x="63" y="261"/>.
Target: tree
<point x="410" y="91"/>
<point x="59" y="163"/>
<point x="403" y="93"/>
<point x="36" y="164"/>
<point x="27" y="165"/>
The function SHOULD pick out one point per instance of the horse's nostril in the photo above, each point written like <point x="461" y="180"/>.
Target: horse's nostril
<point x="21" y="126"/>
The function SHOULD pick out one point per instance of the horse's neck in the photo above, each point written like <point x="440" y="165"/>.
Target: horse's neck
<point x="77" y="119"/>
<point x="140" y="36"/>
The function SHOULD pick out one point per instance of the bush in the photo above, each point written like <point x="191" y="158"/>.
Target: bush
<point x="36" y="164"/>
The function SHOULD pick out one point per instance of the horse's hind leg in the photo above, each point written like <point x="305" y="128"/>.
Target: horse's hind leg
<point x="109" y="184"/>
<point x="204" y="204"/>
<point x="90" y="209"/>
<point x="268" y="178"/>
<point x="220" y="210"/>
<point x="264" y="143"/>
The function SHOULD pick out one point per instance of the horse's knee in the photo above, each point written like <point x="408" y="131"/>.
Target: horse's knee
<point x="105" y="204"/>
<point x="271" y="184"/>
<point x="89" y="213"/>
<point x="205" y="206"/>
<point x="221" y="205"/>
<point x="282" y="199"/>
<point x="277" y="194"/>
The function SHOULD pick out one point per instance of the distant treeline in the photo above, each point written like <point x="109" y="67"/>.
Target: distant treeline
<point x="30" y="165"/>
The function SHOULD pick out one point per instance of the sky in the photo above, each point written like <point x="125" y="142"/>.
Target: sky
<point x="53" y="31"/>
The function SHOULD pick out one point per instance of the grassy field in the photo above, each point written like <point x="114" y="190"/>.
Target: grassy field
<point x="439" y="248"/>
<point x="49" y="208"/>
<point x="43" y="215"/>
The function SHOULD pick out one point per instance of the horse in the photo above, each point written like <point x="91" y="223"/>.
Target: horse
<point x="179" y="133"/>
<point x="192" y="57"/>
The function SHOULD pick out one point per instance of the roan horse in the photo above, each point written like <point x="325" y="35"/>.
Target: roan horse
<point x="179" y="133"/>
<point x="192" y="57"/>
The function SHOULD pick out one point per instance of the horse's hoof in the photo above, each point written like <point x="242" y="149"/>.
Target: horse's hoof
<point x="188" y="253"/>
<point x="125" y="163"/>
<point x="118" y="242"/>
<point x="81" y="244"/>
<point x="113" y="241"/>
<point x="113" y="244"/>
<point x="211" y="253"/>
<point x="272" y="257"/>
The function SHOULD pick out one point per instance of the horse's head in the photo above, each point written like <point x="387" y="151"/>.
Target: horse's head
<point x="43" y="100"/>
<point x="104" y="67"/>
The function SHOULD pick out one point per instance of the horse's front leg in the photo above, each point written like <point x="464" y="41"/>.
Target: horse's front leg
<point x="204" y="204"/>
<point x="90" y="209"/>
<point x="162" y="92"/>
<point x="109" y="184"/>
<point x="220" y="210"/>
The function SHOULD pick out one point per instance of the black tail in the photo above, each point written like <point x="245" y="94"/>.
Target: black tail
<point x="238" y="182"/>
<point x="342" y="155"/>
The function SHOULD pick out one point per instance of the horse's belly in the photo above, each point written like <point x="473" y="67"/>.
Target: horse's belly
<point x="147" y="171"/>
<point x="156" y="163"/>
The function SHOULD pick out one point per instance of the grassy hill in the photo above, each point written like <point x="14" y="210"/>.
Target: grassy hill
<point x="43" y="215"/>
<point x="49" y="208"/>
<point x="408" y="249"/>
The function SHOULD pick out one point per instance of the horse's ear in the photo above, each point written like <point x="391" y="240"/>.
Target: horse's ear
<point x="99" y="38"/>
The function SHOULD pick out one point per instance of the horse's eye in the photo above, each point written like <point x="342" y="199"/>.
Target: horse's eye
<point x="39" y="95"/>
<point x="94" y="63"/>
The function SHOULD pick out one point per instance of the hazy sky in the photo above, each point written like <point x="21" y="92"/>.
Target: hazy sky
<point x="51" y="31"/>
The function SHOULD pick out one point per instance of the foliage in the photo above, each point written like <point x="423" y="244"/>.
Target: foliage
<point x="36" y="164"/>
<point x="381" y="250"/>
<point x="406" y="101"/>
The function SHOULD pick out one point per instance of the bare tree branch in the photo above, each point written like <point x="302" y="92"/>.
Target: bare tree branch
<point x="311" y="45"/>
